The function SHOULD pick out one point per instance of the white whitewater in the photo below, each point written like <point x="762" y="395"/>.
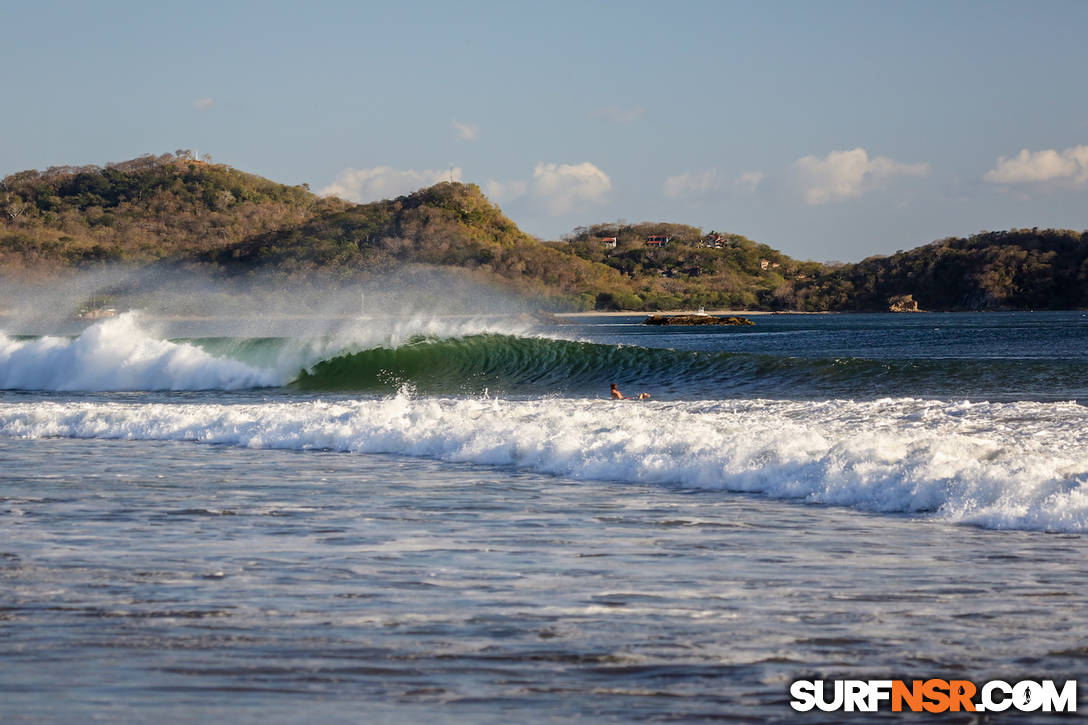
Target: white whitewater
<point x="118" y="354"/>
<point x="1017" y="465"/>
<point x="126" y="354"/>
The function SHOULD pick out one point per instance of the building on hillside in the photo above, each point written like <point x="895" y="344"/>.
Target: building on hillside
<point x="609" y="242"/>
<point x="657" y="240"/>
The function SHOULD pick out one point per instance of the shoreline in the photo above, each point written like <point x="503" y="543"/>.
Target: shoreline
<point x="10" y="315"/>
<point x="710" y="313"/>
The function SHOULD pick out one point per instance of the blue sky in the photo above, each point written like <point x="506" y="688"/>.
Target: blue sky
<point x="829" y="130"/>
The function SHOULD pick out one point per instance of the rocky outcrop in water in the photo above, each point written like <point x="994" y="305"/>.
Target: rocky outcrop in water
<point x="903" y="303"/>
<point x="679" y="320"/>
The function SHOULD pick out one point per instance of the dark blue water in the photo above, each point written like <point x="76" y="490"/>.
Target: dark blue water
<point x="976" y="356"/>
<point x="957" y="336"/>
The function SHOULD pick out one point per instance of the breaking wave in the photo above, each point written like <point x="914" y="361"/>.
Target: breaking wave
<point x="125" y="354"/>
<point x="443" y="357"/>
<point x="1020" y="465"/>
<point x="117" y="355"/>
<point x="512" y="364"/>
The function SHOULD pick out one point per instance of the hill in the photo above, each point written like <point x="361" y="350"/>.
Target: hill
<point x="176" y="211"/>
<point x="454" y="225"/>
<point x="675" y="266"/>
<point x="447" y="225"/>
<point x="1018" y="269"/>
<point x="137" y="212"/>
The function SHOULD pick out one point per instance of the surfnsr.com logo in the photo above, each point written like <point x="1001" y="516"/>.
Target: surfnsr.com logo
<point x="933" y="695"/>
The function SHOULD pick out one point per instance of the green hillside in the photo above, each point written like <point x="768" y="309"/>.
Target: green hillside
<point x="176" y="211"/>
<point x="691" y="269"/>
<point x="137" y="212"/>
<point x="1031" y="269"/>
<point x="446" y="225"/>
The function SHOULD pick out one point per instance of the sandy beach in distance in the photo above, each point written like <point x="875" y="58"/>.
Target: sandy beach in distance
<point x="716" y="313"/>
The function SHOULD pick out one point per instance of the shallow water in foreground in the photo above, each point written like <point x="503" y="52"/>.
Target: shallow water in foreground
<point x="181" y="582"/>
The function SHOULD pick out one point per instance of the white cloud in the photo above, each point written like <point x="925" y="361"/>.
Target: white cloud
<point x="504" y="191"/>
<point x="615" y="114"/>
<point x="846" y="174"/>
<point x="692" y="186"/>
<point x="466" y="131"/>
<point x="750" y="180"/>
<point x="384" y="182"/>
<point x="563" y="187"/>
<point x="1032" y="167"/>
<point x="203" y="104"/>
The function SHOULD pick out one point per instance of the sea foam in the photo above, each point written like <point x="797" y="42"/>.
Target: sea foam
<point x="1020" y="465"/>
<point x="118" y="354"/>
<point x="126" y="354"/>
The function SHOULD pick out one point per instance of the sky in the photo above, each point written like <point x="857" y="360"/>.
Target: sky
<point x="828" y="130"/>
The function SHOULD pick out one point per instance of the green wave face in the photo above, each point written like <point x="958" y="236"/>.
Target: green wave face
<point x="498" y="363"/>
<point x="505" y="364"/>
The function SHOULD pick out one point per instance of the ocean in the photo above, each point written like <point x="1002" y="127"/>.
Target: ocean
<point x="445" y="519"/>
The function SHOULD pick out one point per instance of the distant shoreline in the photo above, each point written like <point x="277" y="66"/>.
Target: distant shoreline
<point x="719" y="313"/>
<point x="9" y="313"/>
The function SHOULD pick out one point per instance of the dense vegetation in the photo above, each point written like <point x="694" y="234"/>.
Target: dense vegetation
<point x="447" y="225"/>
<point x="692" y="269"/>
<point x="1017" y="269"/>
<point x="138" y="211"/>
<point x="175" y="210"/>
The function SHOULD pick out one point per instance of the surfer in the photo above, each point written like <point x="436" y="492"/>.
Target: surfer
<point x="617" y="395"/>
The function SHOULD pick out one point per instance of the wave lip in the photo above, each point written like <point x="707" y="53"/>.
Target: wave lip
<point x="998" y="465"/>
<point x="123" y="354"/>
<point x="118" y="355"/>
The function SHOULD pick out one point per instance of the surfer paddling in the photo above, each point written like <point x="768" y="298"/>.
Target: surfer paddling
<point x="617" y="395"/>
